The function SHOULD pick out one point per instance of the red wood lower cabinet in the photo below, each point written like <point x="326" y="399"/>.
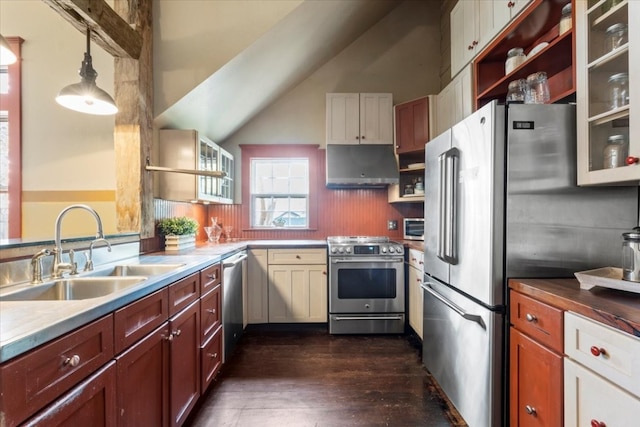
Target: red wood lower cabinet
<point x="90" y="403"/>
<point x="184" y="361"/>
<point x="143" y="381"/>
<point x="536" y="383"/>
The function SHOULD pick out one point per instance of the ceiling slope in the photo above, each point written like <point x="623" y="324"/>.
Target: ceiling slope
<point x="299" y="44"/>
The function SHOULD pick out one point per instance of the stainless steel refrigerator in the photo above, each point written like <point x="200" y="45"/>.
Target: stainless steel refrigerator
<point x="501" y="202"/>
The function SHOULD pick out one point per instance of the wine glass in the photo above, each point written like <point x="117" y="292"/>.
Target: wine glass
<point x="227" y="232"/>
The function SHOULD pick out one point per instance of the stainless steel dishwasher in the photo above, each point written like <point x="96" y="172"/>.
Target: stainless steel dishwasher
<point x="232" y="306"/>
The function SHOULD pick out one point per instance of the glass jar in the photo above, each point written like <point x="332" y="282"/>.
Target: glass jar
<point x="515" y="57"/>
<point x="516" y="92"/>
<point x="608" y="4"/>
<point x="537" y="91"/>
<point x="618" y="90"/>
<point x="616" y="36"/>
<point x="408" y="189"/>
<point x="615" y="152"/>
<point x="565" y="19"/>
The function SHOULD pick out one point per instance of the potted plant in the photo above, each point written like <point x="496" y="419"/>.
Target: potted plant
<point x="179" y="232"/>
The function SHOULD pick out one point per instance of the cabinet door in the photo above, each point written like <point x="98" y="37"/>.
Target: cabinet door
<point x="535" y="383"/>
<point x="91" y="403"/>
<point x="598" y="118"/>
<point x="184" y="370"/>
<point x="143" y="381"/>
<point x="414" y="280"/>
<point x="376" y="118"/>
<point x="137" y="319"/>
<point x="464" y="39"/>
<point x="592" y="400"/>
<point x="225" y="185"/>
<point x="297" y="293"/>
<point x="343" y="118"/>
<point x="257" y="287"/>
<point x="412" y="125"/>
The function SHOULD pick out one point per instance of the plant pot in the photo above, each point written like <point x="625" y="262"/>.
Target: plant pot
<point x="176" y="243"/>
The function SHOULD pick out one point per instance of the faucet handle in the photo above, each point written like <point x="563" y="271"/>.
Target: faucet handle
<point x="88" y="265"/>
<point x="74" y="264"/>
<point x="36" y="265"/>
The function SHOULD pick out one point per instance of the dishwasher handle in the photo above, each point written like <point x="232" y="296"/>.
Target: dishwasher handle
<point x="236" y="261"/>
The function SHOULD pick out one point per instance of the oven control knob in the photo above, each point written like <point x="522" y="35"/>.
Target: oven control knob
<point x="341" y="250"/>
<point x="334" y="250"/>
<point x="399" y="249"/>
<point x="384" y="249"/>
<point x="348" y="250"/>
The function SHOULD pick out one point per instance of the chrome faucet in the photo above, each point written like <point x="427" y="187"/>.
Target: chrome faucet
<point x="88" y="266"/>
<point x="58" y="266"/>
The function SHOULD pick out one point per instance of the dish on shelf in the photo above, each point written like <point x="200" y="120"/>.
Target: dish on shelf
<point x="537" y="49"/>
<point x="606" y="277"/>
<point x="415" y="165"/>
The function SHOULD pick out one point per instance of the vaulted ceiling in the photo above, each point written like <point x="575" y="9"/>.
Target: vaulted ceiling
<point x="299" y="44"/>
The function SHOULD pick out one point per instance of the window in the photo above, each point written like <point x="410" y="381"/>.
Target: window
<point x="10" y="143"/>
<point x="280" y="190"/>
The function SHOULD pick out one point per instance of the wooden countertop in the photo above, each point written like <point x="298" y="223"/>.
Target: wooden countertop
<point x="618" y="309"/>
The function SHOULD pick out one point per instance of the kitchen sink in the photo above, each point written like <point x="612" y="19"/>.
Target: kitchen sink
<point x="77" y="288"/>
<point x="138" y="270"/>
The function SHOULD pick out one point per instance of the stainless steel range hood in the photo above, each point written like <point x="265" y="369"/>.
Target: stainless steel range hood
<point x="356" y="166"/>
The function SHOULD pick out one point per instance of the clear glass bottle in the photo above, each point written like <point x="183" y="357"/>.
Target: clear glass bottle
<point x="515" y="57"/>
<point x="615" y="152"/>
<point x="565" y="19"/>
<point x="616" y="36"/>
<point x="516" y="91"/>
<point x="618" y="90"/>
<point x="537" y="91"/>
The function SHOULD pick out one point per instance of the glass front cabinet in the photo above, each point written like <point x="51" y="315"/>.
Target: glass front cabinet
<point x="187" y="149"/>
<point x="608" y="91"/>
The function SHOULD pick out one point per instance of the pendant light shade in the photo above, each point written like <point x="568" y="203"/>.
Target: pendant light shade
<point x="86" y="96"/>
<point x="7" y="57"/>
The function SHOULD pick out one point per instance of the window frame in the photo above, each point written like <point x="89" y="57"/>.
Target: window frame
<point x="280" y="151"/>
<point x="12" y="103"/>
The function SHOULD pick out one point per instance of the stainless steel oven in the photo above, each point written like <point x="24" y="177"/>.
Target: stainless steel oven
<point x="366" y="285"/>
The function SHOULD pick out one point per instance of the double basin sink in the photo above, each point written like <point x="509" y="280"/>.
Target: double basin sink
<point x="97" y="284"/>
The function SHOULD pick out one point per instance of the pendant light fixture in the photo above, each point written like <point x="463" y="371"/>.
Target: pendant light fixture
<point x="86" y="96"/>
<point x="7" y="57"/>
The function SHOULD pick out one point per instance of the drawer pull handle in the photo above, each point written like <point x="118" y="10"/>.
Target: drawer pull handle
<point x="596" y="423"/>
<point x="212" y="355"/>
<point x="72" y="361"/>
<point x="530" y="410"/>
<point x="211" y="310"/>
<point x="597" y="351"/>
<point x="212" y="276"/>
<point x="531" y="318"/>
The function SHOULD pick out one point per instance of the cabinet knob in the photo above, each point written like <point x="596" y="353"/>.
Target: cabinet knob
<point x="297" y="256"/>
<point x="324" y="272"/>
<point x="212" y="355"/>
<point x="176" y="333"/>
<point x="531" y="318"/>
<point x="597" y="351"/>
<point x="211" y="310"/>
<point x="357" y="137"/>
<point x="168" y="338"/>
<point x="72" y="361"/>
<point x="530" y="410"/>
<point x="510" y="4"/>
<point x="470" y="47"/>
<point x="632" y="160"/>
<point x="419" y="280"/>
<point x="362" y="136"/>
<point x="596" y="423"/>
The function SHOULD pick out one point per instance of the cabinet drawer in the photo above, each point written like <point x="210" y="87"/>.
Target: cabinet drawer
<point x="611" y="353"/>
<point x="34" y="380"/>
<point x="210" y="313"/>
<point x="211" y="356"/>
<point x="590" y="399"/>
<point x="540" y="321"/>
<point x="183" y="292"/>
<point x="297" y="256"/>
<point x="416" y="259"/>
<point x="139" y="318"/>
<point x="210" y="278"/>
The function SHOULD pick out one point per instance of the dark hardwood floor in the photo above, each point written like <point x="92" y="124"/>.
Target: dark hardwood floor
<point x="302" y="376"/>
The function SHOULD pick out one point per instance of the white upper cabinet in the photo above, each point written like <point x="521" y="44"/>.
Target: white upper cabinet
<point x="187" y="149"/>
<point x="359" y="118"/>
<point x="474" y="23"/>
<point x="600" y="117"/>
<point x="454" y="102"/>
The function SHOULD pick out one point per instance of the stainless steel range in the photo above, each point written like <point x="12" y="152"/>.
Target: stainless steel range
<point x="366" y="285"/>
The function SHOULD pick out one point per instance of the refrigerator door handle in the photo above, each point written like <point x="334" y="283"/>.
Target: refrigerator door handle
<point x="448" y="206"/>
<point x="453" y="306"/>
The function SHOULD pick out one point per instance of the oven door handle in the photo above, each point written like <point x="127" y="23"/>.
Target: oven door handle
<point x="366" y="260"/>
<point x="453" y="306"/>
<point x="338" y="318"/>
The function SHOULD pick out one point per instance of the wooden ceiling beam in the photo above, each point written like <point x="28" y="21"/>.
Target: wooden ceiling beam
<point x="108" y="29"/>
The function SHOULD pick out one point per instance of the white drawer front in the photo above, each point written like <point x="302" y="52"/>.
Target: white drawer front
<point x="416" y="259"/>
<point x="297" y="256"/>
<point x="588" y="398"/>
<point x="611" y="353"/>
